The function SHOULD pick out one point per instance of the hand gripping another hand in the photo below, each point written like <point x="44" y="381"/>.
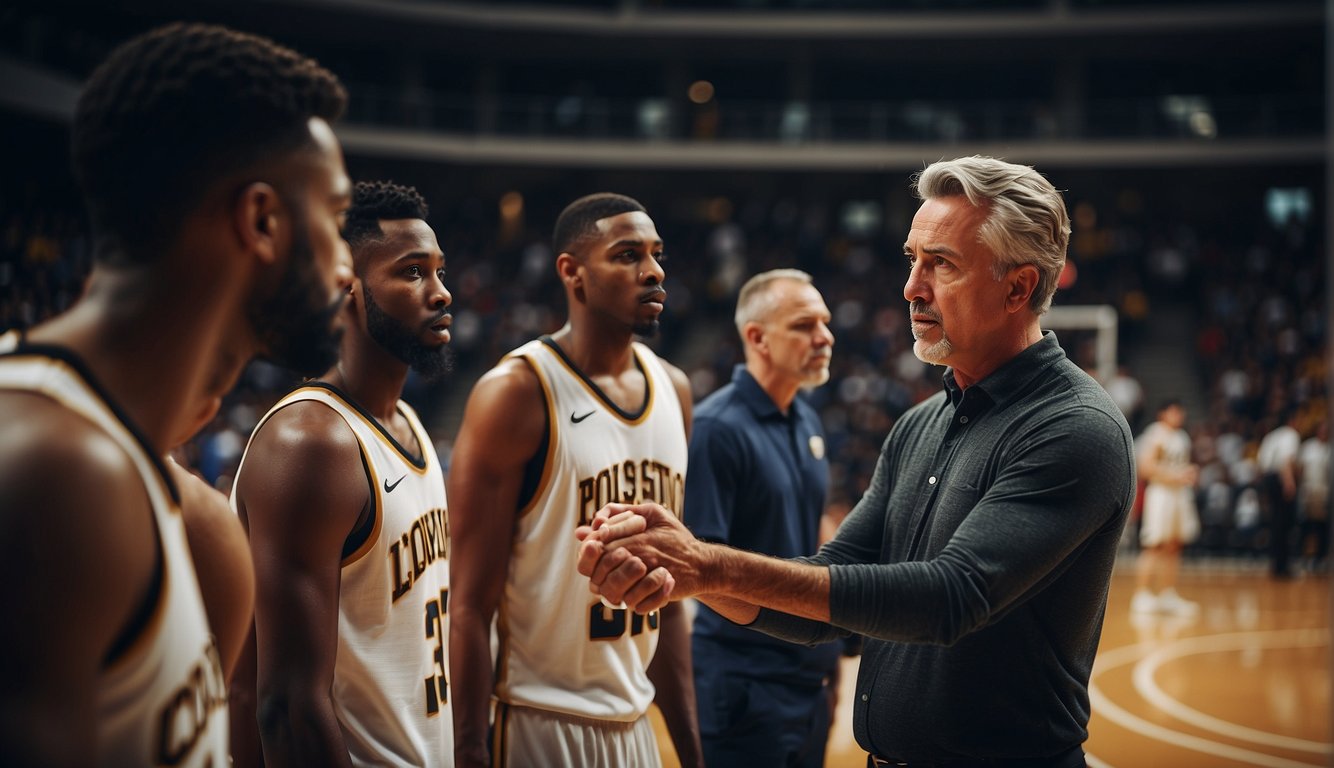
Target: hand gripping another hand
<point x="640" y="555"/>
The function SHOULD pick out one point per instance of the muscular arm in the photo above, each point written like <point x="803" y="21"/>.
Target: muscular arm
<point x="222" y="563"/>
<point x="79" y="559"/>
<point x="502" y="429"/>
<point x="302" y="491"/>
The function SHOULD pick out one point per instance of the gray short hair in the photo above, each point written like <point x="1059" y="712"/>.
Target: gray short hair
<point x="1026" y="222"/>
<point x="753" y="303"/>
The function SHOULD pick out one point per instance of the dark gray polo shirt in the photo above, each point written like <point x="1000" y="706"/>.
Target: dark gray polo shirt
<point x="977" y="565"/>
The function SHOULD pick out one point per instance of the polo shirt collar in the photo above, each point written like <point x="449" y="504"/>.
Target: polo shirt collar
<point x="753" y="395"/>
<point x="1013" y="378"/>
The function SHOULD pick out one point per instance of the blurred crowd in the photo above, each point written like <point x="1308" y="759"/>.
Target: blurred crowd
<point x="1256" y="291"/>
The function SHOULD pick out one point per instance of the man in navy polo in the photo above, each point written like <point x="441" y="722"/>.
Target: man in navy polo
<point x="758" y="480"/>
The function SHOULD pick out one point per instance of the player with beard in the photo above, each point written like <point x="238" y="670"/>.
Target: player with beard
<point x="560" y="426"/>
<point x="343" y="498"/>
<point x="214" y="185"/>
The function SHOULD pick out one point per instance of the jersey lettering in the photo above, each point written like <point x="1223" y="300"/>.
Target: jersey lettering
<point x="418" y="547"/>
<point x="631" y="482"/>
<point x="609" y="623"/>
<point x="437" y="685"/>
<point x="185" y="717"/>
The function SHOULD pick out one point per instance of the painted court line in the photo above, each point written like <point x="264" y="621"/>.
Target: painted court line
<point x="1105" y="707"/>
<point x="1236" y="641"/>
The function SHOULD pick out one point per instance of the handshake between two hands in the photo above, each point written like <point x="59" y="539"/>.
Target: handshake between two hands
<point x="638" y="556"/>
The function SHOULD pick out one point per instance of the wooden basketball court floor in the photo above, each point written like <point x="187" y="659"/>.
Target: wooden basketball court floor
<point x="1244" y="683"/>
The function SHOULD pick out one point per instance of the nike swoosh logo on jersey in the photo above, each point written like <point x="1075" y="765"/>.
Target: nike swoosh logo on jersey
<point x="576" y="419"/>
<point x="389" y="487"/>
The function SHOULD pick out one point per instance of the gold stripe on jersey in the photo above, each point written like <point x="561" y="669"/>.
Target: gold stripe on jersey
<point x="376" y="502"/>
<point x="552" y="424"/>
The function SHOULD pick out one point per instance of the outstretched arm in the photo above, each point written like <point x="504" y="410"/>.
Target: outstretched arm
<point x="503" y="426"/>
<point x="733" y="582"/>
<point x="301" y="492"/>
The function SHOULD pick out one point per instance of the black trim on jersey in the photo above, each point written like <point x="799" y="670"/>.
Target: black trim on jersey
<point x="607" y="401"/>
<point x="417" y="461"/>
<point x="532" y="469"/>
<point x="74" y="361"/>
<point x="362" y="533"/>
<point x="142" y="615"/>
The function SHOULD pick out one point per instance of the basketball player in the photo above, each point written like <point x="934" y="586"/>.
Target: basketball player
<point x="214" y="185"/>
<point x="343" y="497"/>
<point x="1170" y="520"/>
<point x="560" y="426"/>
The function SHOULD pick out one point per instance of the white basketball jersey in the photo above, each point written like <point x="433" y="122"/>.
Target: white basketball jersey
<point x="161" y="698"/>
<point x="561" y="649"/>
<point x="390" y="687"/>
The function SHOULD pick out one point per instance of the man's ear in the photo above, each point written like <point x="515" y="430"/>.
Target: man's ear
<point x="258" y="217"/>
<point x="567" y="268"/>
<point x="753" y="333"/>
<point x="1023" y="281"/>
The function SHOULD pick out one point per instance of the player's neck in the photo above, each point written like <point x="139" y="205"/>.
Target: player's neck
<point x="150" y="348"/>
<point x="369" y="375"/>
<point x="594" y="351"/>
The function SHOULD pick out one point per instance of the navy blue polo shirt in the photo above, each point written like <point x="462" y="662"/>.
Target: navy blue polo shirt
<point x="757" y="480"/>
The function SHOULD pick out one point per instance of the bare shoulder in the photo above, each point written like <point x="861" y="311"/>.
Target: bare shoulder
<point x="304" y="445"/>
<point x="223" y="565"/>
<point x="509" y="395"/>
<point x="304" y="465"/>
<point x="209" y="520"/>
<point x="503" y="424"/>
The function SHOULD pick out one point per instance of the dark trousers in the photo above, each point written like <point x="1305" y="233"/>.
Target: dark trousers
<point x="753" y="722"/>
<point x="1282" y="513"/>
<point x="1070" y="758"/>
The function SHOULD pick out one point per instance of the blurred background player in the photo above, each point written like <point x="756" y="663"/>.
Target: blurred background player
<point x="1169" y="520"/>
<point x="758" y="481"/>
<point x="343" y="498"/>
<point x="213" y="182"/>
<point x="559" y="427"/>
<point x="1277" y="457"/>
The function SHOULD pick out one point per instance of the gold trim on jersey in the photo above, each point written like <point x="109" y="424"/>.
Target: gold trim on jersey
<point x="601" y="396"/>
<point x="553" y="425"/>
<point x="376" y="427"/>
<point x="499" y="757"/>
<point x="377" y="506"/>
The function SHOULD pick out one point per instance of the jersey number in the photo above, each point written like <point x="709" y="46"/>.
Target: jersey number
<point x="609" y="623"/>
<point x="437" y="685"/>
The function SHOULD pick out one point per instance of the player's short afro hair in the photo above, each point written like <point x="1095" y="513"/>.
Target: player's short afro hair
<point x="578" y="219"/>
<point x="174" y="108"/>
<point x="376" y="201"/>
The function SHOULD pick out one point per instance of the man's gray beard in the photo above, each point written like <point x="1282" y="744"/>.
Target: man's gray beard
<point x="936" y="353"/>
<point x="815" y="381"/>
